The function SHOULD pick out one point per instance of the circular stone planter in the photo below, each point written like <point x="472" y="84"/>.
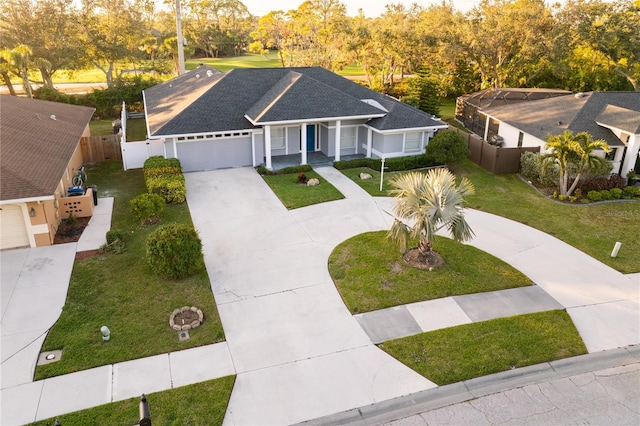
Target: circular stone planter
<point x="186" y="318"/>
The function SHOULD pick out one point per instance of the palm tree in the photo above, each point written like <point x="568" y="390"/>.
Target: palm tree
<point x="430" y="202"/>
<point x="572" y="153"/>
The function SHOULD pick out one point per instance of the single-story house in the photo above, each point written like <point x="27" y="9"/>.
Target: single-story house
<point x="245" y="117"/>
<point x="469" y="107"/>
<point x="41" y="152"/>
<point x="611" y="116"/>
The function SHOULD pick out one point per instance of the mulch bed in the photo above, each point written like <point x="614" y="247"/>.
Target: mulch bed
<point x="71" y="231"/>
<point x="429" y="262"/>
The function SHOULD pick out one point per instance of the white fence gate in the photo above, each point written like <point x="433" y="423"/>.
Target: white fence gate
<point x="134" y="154"/>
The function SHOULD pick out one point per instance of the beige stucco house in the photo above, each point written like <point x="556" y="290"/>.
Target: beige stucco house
<point x="40" y="152"/>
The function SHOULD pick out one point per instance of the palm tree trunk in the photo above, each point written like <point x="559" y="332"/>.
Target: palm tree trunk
<point x="424" y="247"/>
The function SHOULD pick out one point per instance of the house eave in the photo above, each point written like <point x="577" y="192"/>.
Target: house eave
<point x="27" y="200"/>
<point x="312" y="120"/>
<point x="408" y="129"/>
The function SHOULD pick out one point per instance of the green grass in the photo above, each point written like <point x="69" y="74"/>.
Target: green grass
<point x="372" y="186"/>
<point x="121" y="291"/>
<point x="370" y="273"/>
<point x="202" y="403"/>
<point x="136" y="129"/>
<point x="447" y="108"/>
<point x="593" y="229"/>
<point x="293" y="195"/>
<point x="472" y="350"/>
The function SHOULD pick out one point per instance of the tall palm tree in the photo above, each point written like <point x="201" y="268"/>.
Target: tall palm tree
<point x="427" y="203"/>
<point x="572" y="153"/>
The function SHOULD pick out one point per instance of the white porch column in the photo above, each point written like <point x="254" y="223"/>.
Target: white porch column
<point x="303" y="143"/>
<point x="253" y="149"/>
<point x="369" y="141"/>
<point x="486" y="128"/>
<point x="633" y="149"/>
<point x="337" y="144"/>
<point x="267" y="146"/>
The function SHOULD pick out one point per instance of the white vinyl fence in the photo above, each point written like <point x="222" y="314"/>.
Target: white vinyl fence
<point x="134" y="154"/>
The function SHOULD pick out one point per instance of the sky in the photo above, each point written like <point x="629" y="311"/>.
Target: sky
<point x="372" y="8"/>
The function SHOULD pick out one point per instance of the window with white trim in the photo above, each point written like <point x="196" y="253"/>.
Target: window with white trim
<point x="348" y="137"/>
<point x="278" y="138"/>
<point x="412" y="141"/>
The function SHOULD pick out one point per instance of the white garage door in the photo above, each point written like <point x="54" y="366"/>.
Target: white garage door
<point x="13" y="232"/>
<point x="215" y="153"/>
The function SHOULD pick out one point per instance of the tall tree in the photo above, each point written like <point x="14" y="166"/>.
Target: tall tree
<point x="506" y="39"/>
<point x="111" y="31"/>
<point x="427" y="203"/>
<point x="272" y="32"/>
<point x="17" y="62"/>
<point x="49" y="28"/>
<point x="610" y="29"/>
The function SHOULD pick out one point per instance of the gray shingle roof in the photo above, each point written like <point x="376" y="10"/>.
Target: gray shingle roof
<point x="575" y="113"/>
<point x="38" y="140"/>
<point x="271" y="95"/>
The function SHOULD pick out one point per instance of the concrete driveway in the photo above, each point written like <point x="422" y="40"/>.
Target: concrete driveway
<point x="298" y="352"/>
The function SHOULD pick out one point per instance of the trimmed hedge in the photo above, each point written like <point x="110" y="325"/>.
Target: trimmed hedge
<point x="628" y="192"/>
<point x="287" y="170"/>
<point x="175" y="250"/>
<point x="396" y="164"/>
<point x="163" y="176"/>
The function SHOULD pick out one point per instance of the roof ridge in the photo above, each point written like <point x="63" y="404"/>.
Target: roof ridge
<point x="295" y="76"/>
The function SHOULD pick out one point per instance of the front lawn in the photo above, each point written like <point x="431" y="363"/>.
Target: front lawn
<point x="472" y="350"/>
<point x="121" y="292"/>
<point x="294" y="195"/>
<point x="197" y="404"/>
<point x="593" y="228"/>
<point x="370" y="273"/>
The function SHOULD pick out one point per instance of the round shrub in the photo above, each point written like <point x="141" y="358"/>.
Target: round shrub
<point x="447" y="147"/>
<point x="606" y="194"/>
<point x="550" y="176"/>
<point x="175" y="250"/>
<point x="115" y="242"/>
<point x="616" y="193"/>
<point x="146" y="207"/>
<point x="594" y="196"/>
<point x="114" y="236"/>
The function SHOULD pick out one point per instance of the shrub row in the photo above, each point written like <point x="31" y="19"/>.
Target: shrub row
<point x="287" y="170"/>
<point x="614" y="194"/>
<point x="146" y="207"/>
<point x="163" y="176"/>
<point x="396" y="164"/>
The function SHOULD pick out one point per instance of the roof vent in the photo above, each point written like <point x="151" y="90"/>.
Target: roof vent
<point x="209" y="73"/>
<point x="559" y="123"/>
<point x="580" y="95"/>
<point x="53" y="117"/>
<point x="197" y="75"/>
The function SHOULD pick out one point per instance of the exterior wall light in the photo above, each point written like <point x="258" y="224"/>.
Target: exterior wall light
<point x="32" y="212"/>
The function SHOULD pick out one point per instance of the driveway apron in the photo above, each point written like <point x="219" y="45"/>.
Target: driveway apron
<point x="34" y="290"/>
<point x="298" y="352"/>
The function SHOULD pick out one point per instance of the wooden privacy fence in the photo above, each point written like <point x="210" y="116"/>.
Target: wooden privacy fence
<point x="100" y="148"/>
<point x="494" y="159"/>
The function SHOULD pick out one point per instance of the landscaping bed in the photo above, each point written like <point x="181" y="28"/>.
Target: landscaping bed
<point x="295" y="194"/>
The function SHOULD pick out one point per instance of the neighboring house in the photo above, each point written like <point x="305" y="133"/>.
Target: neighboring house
<point x="40" y="153"/>
<point x="611" y="116"/>
<point x="245" y="117"/>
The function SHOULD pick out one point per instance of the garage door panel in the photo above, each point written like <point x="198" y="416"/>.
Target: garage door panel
<point x="13" y="232"/>
<point x="215" y="154"/>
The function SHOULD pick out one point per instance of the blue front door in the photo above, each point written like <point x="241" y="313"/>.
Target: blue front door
<point x="311" y="137"/>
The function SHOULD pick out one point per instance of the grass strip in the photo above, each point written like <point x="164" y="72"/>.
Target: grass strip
<point x="202" y="403"/>
<point x="472" y="350"/>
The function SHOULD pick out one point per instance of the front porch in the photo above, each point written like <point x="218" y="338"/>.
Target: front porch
<point x="316" y="158"/>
